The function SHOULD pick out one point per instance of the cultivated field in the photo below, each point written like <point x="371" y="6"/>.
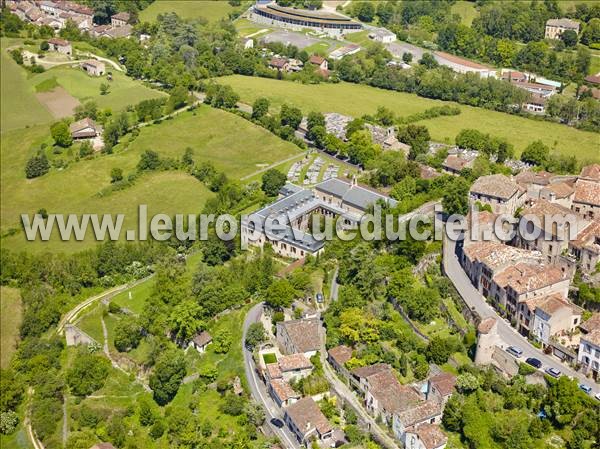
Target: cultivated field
<point x="356" y="100"/>
<point x="212" y="11"/>
<point x="59" y="102"/>
<point x="230" y="142"/>
<point x="10" y="319"/>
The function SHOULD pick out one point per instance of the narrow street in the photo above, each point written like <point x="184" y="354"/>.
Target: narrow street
<point x="258" y="390"/>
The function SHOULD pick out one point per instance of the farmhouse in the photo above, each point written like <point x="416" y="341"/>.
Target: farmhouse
<point x="60" y="45"/>
<point x="94" y="67"/>
<point x="499" y="192"/>
<point x="280" y="64"/>
<point x="319" y="61"/>
<point x="85" y="129"/>
<point x="330" y="23"/>
<point x="556" y="27"/>
<point x="200" y="341"/>
<point x="120" y="19"/>
<point x="306" y="421"/>
<point x="299" y="337"/>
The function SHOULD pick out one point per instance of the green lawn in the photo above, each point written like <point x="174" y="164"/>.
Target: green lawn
<point x="356" y="100"/>
<point x="360" y="38"/>
<point x="270" y="358"/>
<point x="19" y="106"/>
<point x="213" y="11"/>
<point x="10" y="319"/>
<point x="466" y="11"/>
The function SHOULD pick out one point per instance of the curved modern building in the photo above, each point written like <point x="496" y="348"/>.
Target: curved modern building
<point x="298" y="19"/>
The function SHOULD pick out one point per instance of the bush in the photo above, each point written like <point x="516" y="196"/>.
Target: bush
<point x="526" y="369"/>
<point x="37" y="166"/>
<point x="44" y="46"/>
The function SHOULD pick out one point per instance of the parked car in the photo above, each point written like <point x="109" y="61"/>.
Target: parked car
<point x="585" y="388"/>
<point x="597" y="396"/>
<point x="277" y="423"/>
<point x="534" y="362"/>
<point x="320" y="298"/>
<point x="517" y="352"/>
<point x="553" y="372"/>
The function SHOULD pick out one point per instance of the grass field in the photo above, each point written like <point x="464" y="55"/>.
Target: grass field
<point x="19" y="107"/>
<point x="212" y="11"/>
<point x="230" y="142"/>
<point x="356" y="100"/>
<point x="10" y="319"/>
<point x="466" y="11"/>
<point x="124" y="91"/>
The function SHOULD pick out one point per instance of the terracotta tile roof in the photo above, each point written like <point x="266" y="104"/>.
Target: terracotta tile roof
<point x="202" y="339"/>
<point x="121" y="16"/>
<point x="551" y="304"/>
<point x="283" y="390"/>
<point x="294" y="362"/>
<point x="532" y="177"/>
<point x="495" y="255"/>
<point x="423" y="411"/>
<point x="432" y="436"/>
<point x="526" y="277"/>
<point x="444" y="383"/>
<point x="588" y="236"/>
<point x="486" y="325"/>
<point x="591" y="324"/>
<point x="316" y="59"/>
<point x="273" y="371"/>
<point x="593" y="337"/>
<point x="587" y="192"/>
<point x="304" y="334"/>
<point x="278" y="62"/>
<point x="544" y="210"/>
<point x="341" y="354"/>
<point x="57" y="41"/>
<point x="391" y="395"/>
<point x="499" y="186"/>
<point x="366" y="371"/>
<point x="307" y="416"/>
<point x="456" y="163"/>
<point x="561" y="189"/>
<point x="427" y="172"/>
<point x="593" y="79"/>
<point x="591" y="172"/>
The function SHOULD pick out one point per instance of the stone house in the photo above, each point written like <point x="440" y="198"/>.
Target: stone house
<point x="299" y="336"/>
<point x="556" y="27"/>
<point x="94" y="67"/>
<point x="502" y="194"/>
<point x="60" y="45"/>
<point x="306" y="421"/>
<point x="200" y="342"/>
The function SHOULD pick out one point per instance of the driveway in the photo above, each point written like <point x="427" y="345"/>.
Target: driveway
<point x="508" y="334"/>
<point x="258" y="389"/>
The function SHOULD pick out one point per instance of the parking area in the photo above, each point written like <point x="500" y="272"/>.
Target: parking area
<point x="290" y="38"/>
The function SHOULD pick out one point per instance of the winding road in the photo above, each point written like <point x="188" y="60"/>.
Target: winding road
<point x="258" y="389"/>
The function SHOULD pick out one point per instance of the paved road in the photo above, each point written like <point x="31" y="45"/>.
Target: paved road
<point x="257" y="388"/>
<point x="509" y="335"/>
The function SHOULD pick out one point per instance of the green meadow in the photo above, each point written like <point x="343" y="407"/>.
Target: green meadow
<point x="233" y="144"/>
<point x="213" y="10"/>
<point x="356" y="100"/>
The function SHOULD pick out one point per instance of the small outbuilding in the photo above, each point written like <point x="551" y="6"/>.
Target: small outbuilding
<point x="94" y="67"/>
<point x="200" y="341"/>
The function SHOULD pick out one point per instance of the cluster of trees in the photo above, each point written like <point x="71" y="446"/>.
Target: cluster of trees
<point x="538" y="153"/>
<point x="472" y="139"/>
<point x="490" y="412"/>
<point x="537" y="56"/>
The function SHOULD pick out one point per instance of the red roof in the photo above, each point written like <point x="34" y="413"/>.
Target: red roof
<point x="316" y="59"/>
<point x="594" y="79"/>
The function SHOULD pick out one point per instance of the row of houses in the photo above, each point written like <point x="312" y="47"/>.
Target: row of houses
<point x="56" y="14"/>
<point x="528" y="280"/>
<point x="412" y="411"/>
<point x="297" y="341"/>
<point x="289" y="65"/>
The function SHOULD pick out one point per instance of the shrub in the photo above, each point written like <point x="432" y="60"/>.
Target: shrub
<point x="37" y="166"/>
